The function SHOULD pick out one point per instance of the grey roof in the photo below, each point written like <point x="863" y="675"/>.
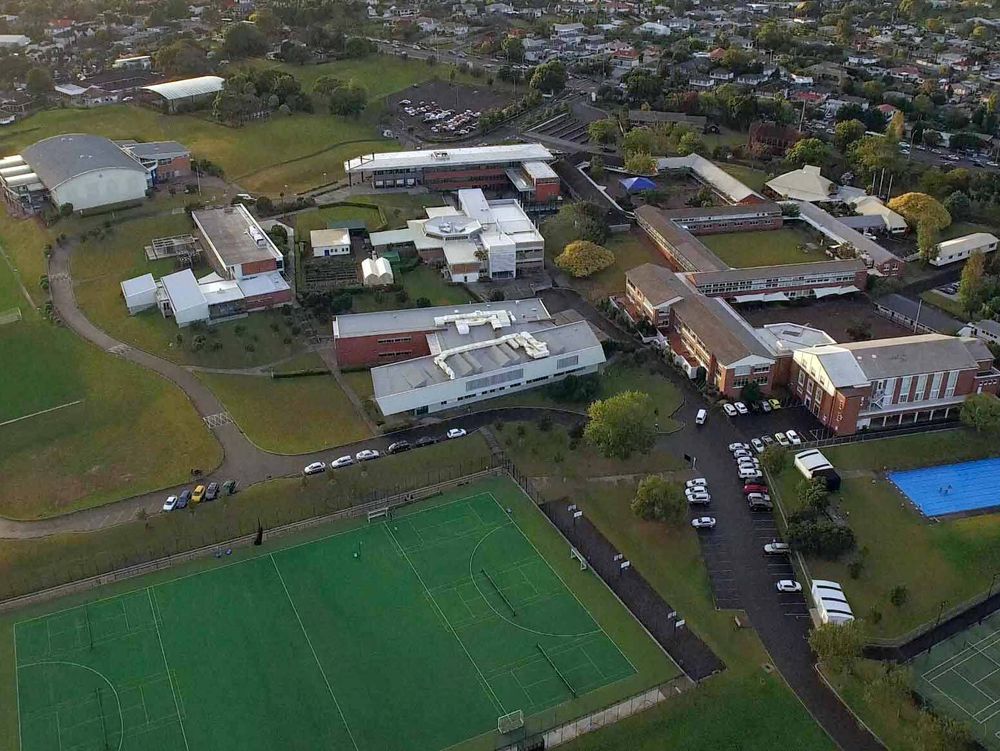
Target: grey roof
<point x="683" y="243"/>
<point x="736" y="210"/>
<point x="837" y="228"/>
<point x="155" y="149"/>
<point x="422" y="319"/>
<point x="61" y="158"/>
<point x="727" y="336"/>
<point x="783" y="272"/>
<point x="864" y="221"/>
<point x="929" y="316"/>
<point x="988" y="325"/>
<point x="656" y="283"/>
<point x="228" y="231"/>
<point x="913" y="355"/>
<point x="421" y="372"/>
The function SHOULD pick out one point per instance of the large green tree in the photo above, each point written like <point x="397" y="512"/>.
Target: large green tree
<point x="656" y="499"/>
<point x="973" y="283"/>
<point x="244" y="40"/>
<point x="549" y="77"/>
<point x="809" y="151"/>
<point x="838" y="647"/>
<point x="622" y="424"/>
<point x="982" y="412"/>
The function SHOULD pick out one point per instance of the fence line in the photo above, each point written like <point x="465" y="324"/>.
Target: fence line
<point x="158" y="564"/>
<point x="882" y="434"/>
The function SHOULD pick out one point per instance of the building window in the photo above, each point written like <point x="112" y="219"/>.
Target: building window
<point x="567" y="362"/>
<point x="495" y="379"/>
<point x="952" y="383"/>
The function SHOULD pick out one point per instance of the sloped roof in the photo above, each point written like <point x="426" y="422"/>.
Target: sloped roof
<point x="805" y="184"/>
<point x="187" y="87"/>
<point x="60" y="158"/>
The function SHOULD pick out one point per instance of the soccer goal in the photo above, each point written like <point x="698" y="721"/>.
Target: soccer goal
<point x="574" y="553"/>
<point x="508" y="723"/>
<point x="380" y="513"/>
<point x="10" y="315"/>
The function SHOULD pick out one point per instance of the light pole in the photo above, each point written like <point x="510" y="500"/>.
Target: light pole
<point x="936" y="622"/>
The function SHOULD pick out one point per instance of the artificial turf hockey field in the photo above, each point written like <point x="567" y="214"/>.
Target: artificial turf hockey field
<point x="413" y="632"/>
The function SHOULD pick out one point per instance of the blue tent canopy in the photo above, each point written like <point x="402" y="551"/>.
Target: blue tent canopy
<point x="635" y="184"/>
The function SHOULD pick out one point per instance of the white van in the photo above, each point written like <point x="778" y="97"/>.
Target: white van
<point x="701" y="417"/>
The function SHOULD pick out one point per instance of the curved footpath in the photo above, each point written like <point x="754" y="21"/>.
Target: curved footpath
<point x="784" y="637"/>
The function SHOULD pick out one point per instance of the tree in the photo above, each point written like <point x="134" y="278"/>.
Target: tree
<point x="813" y="494"/>
<point x="689" y="143"/>
<point x="958" y="204"/>
<point x="891" y="685"/>
<point x="809" y="151"/>
<point x="244" y="40"/>
<point x="931" y="138"/>
<point x="583" y="258"/>
<point x="774" y="458"/>
<point x="871" y="153"/>
<point x="237" y="102"/>
<point x="182" y="57"/>
<point x="921" y="209"/>
<point x="898" y="595"/>
<point x="603" y="131"/>
<point x="268" y="23"/>
<point x="549" y="77"/>
<point x="838" y="647"/>
<point x="39" y="81"/>
<point x="846" y="133"/>
<point x="348" y="99"/>
<point x="659" y="500"/>
<point x="981" y="412"/>
<point x="642" y="85"/>
<point x="640" y="163"/>
<point x="513" y="49"/>
<point x="621" y="424"/>
<point x="927" y="241"/>
<point x="896" y="128"/>
<point x="596" y="167"/>
<point x="822" y="537"/>
<point x="326" y="85"/>
<point x="973" y="282"/>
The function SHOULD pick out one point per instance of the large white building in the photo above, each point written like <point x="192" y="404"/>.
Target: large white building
<point x="87" y="172"/>
<point x="952" y="251"/>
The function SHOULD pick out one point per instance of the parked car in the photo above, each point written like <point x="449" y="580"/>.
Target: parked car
<point x="793" y="438"/>
<point x="754" y="487"/>
<point x="457" y="432"/>
<point x="198" y="494"/>
<point x="758" y="445"/>
<point x="782" y="439"/>
<point x="729" y="409"/>
<point x="230" y="487"/>
<point x="315" y="468"/>
<point x="212" y="491"/>
<point x="695" y="491"/>
<point x="758" y="505"/>
<point x="777" y="548"/>
<point x="698" y="482"/>
<point x="775" y="404"/>
<point x="399" y="447"/>
<point x="183" y="499"/>
<point x="427" y="440"/>
<point x="788" y="585"/>
<point x="742" y="454"/>
<point x="747" y="461"/>
<point x="765" y="406"/>
<point x="741" y="408"/>
<point x="736" y="446"/>
<point x="170" y="504"/>
<point x="768" y="441"/>
<point x="701" y="417"/>
<point x="699" y="499"/>
<point x="703" y="522"/>
<point x="749" y="473"/>
<point x="366" y="455"/>
<point x="342" y="461"/>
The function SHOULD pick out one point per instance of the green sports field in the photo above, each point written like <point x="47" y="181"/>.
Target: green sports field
<point x="415" y="632"/>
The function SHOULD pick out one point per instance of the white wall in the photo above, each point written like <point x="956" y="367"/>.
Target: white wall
<point x="189" y="316"/>
<point x="321" y="251"/>
<point x="101" y="188"/>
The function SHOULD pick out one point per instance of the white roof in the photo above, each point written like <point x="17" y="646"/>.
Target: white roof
<point x="840" y="365"/>
<point x="712" y="174"/>
<point x="872" y="206"/>
<point x="391" y="237"/>
<point x="70" y="89"/>
<point x="183" y="290"/>
<point x="14" y="40"/>
<point x="806" y="184"/>
<point x="323" y="238"/>
<point x="971" y="242"/>
<point x="399" y="160"/>
<point x="221" y="292"/>
<point x="140" y="285"/>
<point x="187" y="87"/>
<point x="263" y="284"/>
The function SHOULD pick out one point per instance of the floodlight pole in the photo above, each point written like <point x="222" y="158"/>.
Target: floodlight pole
<point x="936" y="622"/>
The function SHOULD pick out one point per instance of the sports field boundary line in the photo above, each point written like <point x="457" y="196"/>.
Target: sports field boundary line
<point x="496" y="701"/>
<point x="312" y="649"/>
<point x="570" y="589"/>
<point x="17" y="690"/>
<point x="41" y="412"/>
<point x="166" y="668"/>
<point x="967" y="653"/>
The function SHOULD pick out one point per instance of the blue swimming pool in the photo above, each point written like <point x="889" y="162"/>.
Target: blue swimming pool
<point x="952" y="488"/>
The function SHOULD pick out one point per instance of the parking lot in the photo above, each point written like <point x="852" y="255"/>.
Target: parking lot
<point x="439" y="108"/>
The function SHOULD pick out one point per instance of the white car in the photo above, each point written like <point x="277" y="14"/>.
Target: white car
<point x="777" y="548"/>
<point x="738" y="446"/>
<point x="788" y="585"/>
<point x="748" y="461"/>
<point x="366" y="455"/>
<point x="170" y="504"/>
<point x="729" y="409"/>
<point x="741" y="408"/>
<point x="698" y="482"/>
<point x="315" y="468"/>
<point x="697" y="499"/>
<point x="457" y="432"/>
<point x="691" y="492"/>
<point x="742" y="454"/>
<point x="343" y="461"/>
<point x="748" y="473"/>
<point x="782" y="439"/>
<point x="703" y="522"/>
<point x="793" y="438"/>
<point x="765" y="406"/>
<point x="758" y="445"/>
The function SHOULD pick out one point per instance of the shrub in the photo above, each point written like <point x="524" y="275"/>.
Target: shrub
<point x="583" y="258"/>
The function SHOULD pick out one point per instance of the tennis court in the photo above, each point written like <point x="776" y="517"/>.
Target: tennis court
<point x="951" y="488"/>
<point x="961" y="677"/>
<point x="416" y="631"/>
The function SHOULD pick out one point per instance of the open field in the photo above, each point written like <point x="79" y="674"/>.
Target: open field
<point x="313" y="219"/>
<point x="289" y="415"/>
<point x="752" y="178"/>
<point x="765" y="248"/>
<point x="950" y="561"/>
<point x="533" y="632"/>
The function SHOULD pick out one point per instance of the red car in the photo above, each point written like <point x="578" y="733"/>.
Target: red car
<point x="752" y="487"/>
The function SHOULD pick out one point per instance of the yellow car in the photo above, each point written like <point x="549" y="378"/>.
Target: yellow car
<point x="198" y="495"/>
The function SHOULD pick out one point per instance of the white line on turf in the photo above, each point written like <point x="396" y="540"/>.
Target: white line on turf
<point x="17" y="692"/>
<point x="313" y="650"/>
<point x="166" y="667"/>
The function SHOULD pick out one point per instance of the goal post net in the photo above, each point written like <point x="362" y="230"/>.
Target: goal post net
<point x="380" y="513"/>
<point x="508" y="723"/>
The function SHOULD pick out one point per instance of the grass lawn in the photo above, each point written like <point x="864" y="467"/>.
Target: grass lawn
<point x="752" y="178"/>
<point x="765" y="248"/>
<point x="725" y="137"/>
<point x="290" y="415"/>
<point x="948" y="561"/>
<point x="959" y="229"/>
<point x="422" y="281"/>
<point x="949" y="305"/>
<point x="134" y="432"/>
<point x="98" y="268"/>
<point x="399" y="207"/>
<point x="307" y="221"/>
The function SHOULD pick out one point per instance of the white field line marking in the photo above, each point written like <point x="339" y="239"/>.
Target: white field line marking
<point x="313" y="650"/>
<point x="166" y="666"/>
<point x="40" y="412"/>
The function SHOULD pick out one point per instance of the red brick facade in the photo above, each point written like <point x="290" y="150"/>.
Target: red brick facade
<point x="269" y="300"/>
<point x="380" y="349"/>
<point x="252" y="268"/>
